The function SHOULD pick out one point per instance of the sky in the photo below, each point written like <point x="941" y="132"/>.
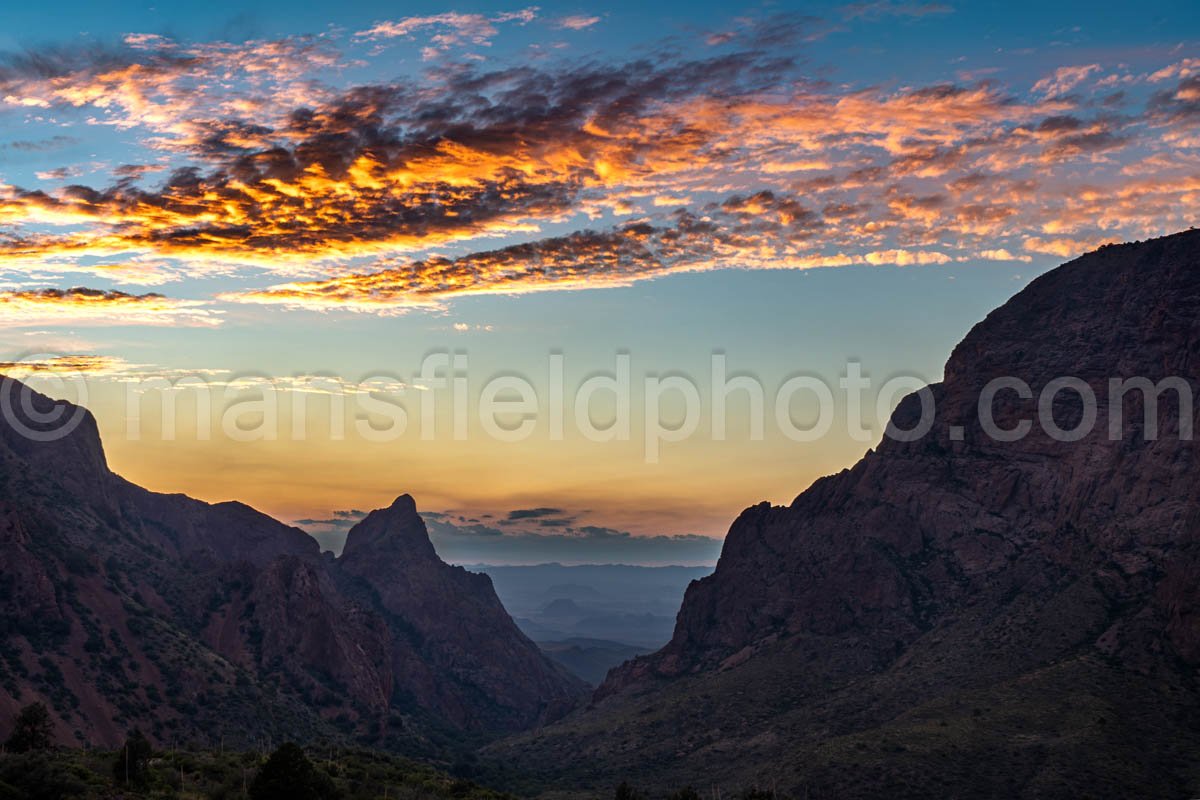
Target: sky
<point x="313" y="256"/>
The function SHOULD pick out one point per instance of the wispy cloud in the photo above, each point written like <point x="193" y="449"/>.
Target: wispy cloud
<point x="40" y="145"/>
<point x="92" y="365"/>
<point x="93" y="307"/>
<point x="446" y="31"/>
<point x="1064" y="79"/>
<point x="891" y="8"/>
<point x="576" y="22"/>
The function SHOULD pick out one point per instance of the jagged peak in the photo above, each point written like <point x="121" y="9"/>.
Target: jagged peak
<point x="397" y="528"/>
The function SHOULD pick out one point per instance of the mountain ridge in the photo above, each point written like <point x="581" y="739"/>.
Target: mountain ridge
<point x="192" y="619"/>
<point x="953" y="615"/>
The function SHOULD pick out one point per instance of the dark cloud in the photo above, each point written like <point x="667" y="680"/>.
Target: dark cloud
<point x="744" y="229"/>
<point x="1059" y="123"/>
<point x="472" y="542"/>
<point x="41" y="145"/>
<point x="533" y="513"/>
<point x="57" y="61"/>
<point x="387" y="164"/>
<point x="890" y="8"/>
<point x="1092" y="142"/>
<point x="587" y="544"/>
<point x="134" y="171"/>
<point x="556" y="522"/>
<point x="1180" y="104"/>
<point x="340" y="520"/>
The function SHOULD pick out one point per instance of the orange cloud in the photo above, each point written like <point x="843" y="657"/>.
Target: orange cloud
<point x="735" y="160"/>
<point x="348" y="185"/>
<point x="83" y="306"/>
<point x="760" y="231"/>
<point x="1063" y="248"/>
<point x="1064" y="79"/>
<point x="65" y="365"/>
<point x="1180" y="69"/>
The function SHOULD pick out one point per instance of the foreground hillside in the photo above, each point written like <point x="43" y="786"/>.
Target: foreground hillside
<point x="120" y="607"/>
<point x="351" y="774"/>
<point x="957" y="615"/>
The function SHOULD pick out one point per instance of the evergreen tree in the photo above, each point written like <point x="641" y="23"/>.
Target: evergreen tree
<point x="289" y="775"/>
<point x="33" y="730"/>
<point x="132" y="764"/>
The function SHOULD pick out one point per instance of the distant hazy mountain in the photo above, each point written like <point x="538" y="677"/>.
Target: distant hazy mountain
<point x="956" y="616"/>
<point x="123" y="608"/>
<point x="590" y="659"/>
<point x="629" y="605"/>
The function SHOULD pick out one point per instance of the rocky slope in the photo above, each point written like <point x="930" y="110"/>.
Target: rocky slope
<point x="120" y="607"/>
<point x="452" y="652"/>
<point x="955" y="615"/>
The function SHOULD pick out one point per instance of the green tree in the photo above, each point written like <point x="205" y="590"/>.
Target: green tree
<point x="132" y="764"/>
<point x="33" y="730"/>
<point x="686" y="793"/>
<point x="289" y="775"/>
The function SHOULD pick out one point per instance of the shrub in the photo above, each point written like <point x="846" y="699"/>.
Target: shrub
<point x="39" y="776"/>
<point x="33" y="730"/>
<point x="289" y="775"/>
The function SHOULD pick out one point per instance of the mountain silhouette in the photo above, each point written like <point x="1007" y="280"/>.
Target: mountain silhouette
<point x="124" y="608"/>
<point x="956" y="615"/>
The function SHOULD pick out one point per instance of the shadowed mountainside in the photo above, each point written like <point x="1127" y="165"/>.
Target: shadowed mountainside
<point x="120" y="607"/>
<point x="956" y="615"/>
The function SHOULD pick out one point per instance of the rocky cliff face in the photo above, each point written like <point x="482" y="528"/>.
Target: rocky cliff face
<point x="455" y="653"/>
<point x="120" y="607"/>
<point x="917" y="530"/>
<point x="955" y="609"/>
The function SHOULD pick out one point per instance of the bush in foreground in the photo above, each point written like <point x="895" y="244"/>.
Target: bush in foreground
<point x="289" y="775"/>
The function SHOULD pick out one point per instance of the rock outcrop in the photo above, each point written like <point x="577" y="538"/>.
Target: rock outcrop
<point x="453" y="653"/>
<point x="123" y="608"/>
